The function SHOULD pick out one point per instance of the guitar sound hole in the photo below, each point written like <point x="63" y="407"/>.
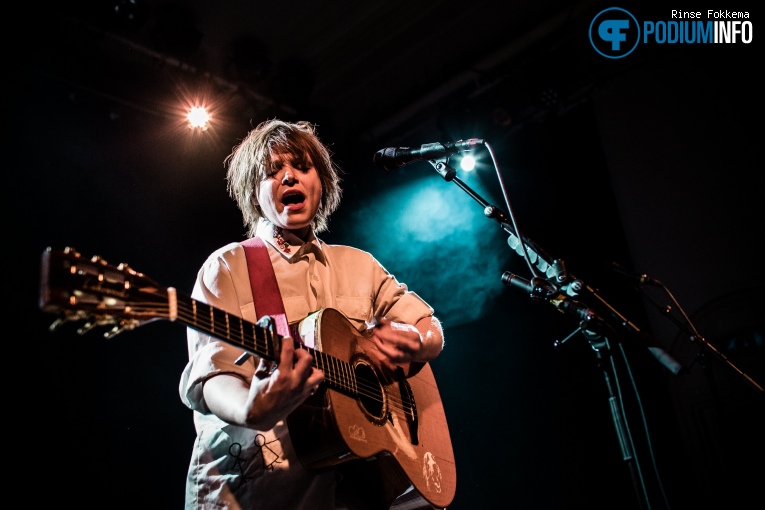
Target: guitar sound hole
<point x="370" y="391"/>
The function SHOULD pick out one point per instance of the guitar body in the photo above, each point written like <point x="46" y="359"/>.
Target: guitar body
<point x="391" y="436"/>
<point x="383" y="428"/>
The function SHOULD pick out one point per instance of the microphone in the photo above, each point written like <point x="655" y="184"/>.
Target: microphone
<point x="538" y="286"/>
<point x="640" y="278"/>
<point x="394" y="157"/>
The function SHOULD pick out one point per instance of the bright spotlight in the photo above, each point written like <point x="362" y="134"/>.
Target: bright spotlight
<point x="467" y="163"/>
<point x="198" y="117"/>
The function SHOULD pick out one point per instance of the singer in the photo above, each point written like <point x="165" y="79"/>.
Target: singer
<point x="286" y="186"/>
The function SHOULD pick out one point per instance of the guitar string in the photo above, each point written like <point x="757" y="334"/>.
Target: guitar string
<point x="189" y="311"/>
<point x="235" y="334"/>
<point x="332" y="370"/>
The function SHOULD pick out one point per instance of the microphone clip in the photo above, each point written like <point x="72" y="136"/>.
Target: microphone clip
<point x="443" y="168"/>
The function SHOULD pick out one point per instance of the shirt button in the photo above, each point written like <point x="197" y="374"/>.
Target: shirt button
<point x="314" y="277"/>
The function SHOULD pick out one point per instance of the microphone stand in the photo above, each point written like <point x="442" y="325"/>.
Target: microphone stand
<point x="554" y="269"/>
<point x="557" y="287"/>
<point x="693" y="334"/>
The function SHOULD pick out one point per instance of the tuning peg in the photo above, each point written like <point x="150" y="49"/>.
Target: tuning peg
<point x="68" y="316"/>
<point x="116" y="330"/>
<point x="86" y="327"/>
<point x="127" y="269"/>
<point x="71" y="251"/>
<point x="56" y="324"/>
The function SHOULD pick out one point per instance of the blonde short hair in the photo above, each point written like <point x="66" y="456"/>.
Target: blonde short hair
<point x="247" y="166"/>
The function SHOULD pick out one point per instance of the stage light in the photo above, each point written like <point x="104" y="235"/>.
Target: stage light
<point x="198" y="118"/>
<point x="467" y="163"/>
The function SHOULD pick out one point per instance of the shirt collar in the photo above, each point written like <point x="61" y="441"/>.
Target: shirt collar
<point x="285" y="242"/>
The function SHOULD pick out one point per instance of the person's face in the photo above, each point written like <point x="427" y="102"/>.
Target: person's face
<point x="290" y="194"/>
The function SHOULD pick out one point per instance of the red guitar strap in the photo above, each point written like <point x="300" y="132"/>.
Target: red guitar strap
<point x="265" y="289"/>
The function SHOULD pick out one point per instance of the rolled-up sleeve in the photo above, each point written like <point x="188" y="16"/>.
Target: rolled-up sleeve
<point x="219" y="284"/>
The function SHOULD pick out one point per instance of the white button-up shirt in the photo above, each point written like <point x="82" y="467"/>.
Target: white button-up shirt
<point x="236" y="467"/>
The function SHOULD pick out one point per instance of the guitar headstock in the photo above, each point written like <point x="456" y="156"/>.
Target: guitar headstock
<point x="91" y="290"/>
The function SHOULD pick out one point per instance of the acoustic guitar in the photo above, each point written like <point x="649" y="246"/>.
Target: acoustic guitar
<point x="384" y="429"/>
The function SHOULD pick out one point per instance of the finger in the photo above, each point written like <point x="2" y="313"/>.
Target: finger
<point x="383" y="346"/>
<point x="302" y="362"/>
<point x="287" y="353"/>
<point x="391" y="342"/>
<point x="316" y="377"/>
<point x="313" y="381"/>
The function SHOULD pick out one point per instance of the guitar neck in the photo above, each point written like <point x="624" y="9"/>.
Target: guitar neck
<point x="259" y="339"/>
<point x="91" y="289"/>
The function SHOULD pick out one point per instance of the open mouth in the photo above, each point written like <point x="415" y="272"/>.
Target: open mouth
<point x="293" y="198"/>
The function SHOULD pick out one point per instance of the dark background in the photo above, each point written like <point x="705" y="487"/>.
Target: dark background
<point x="650" y="161"/>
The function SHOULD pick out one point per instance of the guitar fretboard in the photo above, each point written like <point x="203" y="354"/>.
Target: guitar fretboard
<point x="261" y="339"/>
